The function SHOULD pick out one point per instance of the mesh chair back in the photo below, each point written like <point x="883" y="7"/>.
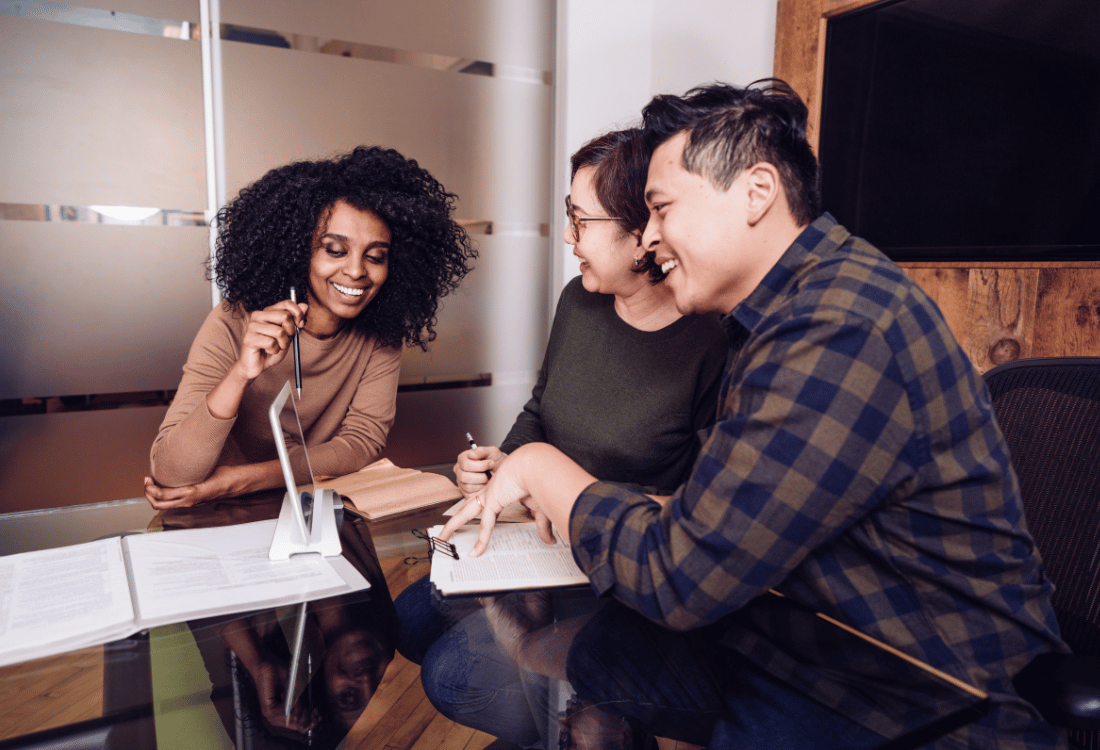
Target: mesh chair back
<point x="1049" y="411"/>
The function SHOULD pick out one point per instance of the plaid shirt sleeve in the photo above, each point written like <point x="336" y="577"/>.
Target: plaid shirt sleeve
<point x="811" y="438"/>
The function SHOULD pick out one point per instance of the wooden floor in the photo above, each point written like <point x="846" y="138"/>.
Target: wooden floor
<point x="399" y="717"/>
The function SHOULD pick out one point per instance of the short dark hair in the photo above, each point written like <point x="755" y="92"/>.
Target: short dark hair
<point x="730" y="129"/>
<point x="266" y="237"/>
<point x="620" y="160"/>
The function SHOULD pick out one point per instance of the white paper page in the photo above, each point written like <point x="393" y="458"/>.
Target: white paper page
<point x="56" y="600"/>
<point x="193" y="573"/>
<point x="517" y="558"/>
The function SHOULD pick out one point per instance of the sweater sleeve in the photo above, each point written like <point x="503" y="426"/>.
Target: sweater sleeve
<point x="190" y="441"/>
<point x="528" y="427"/>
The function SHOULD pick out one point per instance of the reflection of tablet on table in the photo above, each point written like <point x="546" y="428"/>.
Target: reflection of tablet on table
<point x="296" y="534"/>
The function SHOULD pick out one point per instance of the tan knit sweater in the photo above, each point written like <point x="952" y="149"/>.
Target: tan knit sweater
<point x="349" y="389"/>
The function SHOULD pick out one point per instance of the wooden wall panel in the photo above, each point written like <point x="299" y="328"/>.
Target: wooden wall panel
<point x="948" y="289"/>
<point x="796" y="50"/>
<point x="1000" y="315"/>
<point x="998" y="311"/>
<point x="1067" y="320"/>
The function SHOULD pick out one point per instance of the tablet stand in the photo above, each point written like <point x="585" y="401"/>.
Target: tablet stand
<point x="293" y="536"/>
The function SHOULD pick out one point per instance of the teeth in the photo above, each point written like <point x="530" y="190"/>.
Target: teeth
<point x="349" y="290"/>
<point x="668" y="265"/>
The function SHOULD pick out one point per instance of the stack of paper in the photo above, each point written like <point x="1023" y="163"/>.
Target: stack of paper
<point x="57" y="600"/>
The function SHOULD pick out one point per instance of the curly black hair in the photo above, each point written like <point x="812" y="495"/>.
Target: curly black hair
<point x="266" y="238"/>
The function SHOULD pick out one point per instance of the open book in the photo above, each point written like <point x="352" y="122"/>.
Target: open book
<point x="517" y="559"/>
<point x="383" y="489"/>
<point x="57" y="600"/>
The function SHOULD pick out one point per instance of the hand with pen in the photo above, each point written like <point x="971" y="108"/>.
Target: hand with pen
<point x="475" y="467"/>
<point x="267" y="340"/>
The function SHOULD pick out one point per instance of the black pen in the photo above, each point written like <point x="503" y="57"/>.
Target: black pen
<point x="297" y="353"/>
<point x="488" y="474"/>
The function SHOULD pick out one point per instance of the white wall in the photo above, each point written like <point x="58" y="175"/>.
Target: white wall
<point x="614" y="55"/>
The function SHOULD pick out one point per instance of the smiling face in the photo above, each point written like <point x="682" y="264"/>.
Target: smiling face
<point x="605" y="252"/>
<point x="700" y="234"/>
<point x="349" y="264"/>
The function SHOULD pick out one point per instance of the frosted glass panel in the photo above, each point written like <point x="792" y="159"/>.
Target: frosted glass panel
<point x="167" y="10"/>
<point x="96" y="117"/>
<point x="490" y="324"/>
<point x="431" y="425"/>
<point x="512" y="32"/>
<point x="89" y="308"/>
<point x="487" y="140"/>
<point x="54" y="460"/>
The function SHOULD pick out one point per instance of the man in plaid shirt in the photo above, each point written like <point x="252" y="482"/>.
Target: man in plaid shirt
<point x="856" y="469"/>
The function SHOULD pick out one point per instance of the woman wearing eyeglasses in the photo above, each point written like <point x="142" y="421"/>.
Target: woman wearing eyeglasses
<point x="626" y="380"/>
<point x="625" y="385"/>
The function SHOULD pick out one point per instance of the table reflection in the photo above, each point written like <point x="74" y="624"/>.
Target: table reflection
<point x="347" y="643"/>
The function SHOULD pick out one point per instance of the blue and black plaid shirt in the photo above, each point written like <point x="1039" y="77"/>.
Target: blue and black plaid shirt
<point x="856" y="468"/>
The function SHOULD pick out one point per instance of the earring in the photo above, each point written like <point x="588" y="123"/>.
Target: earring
<point x="637" y="262"/>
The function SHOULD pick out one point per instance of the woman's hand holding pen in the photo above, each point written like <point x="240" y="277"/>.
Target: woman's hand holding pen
<point x="269" y="335"/>
<point x="472" y="466"/>
<point x="265" y="344"/>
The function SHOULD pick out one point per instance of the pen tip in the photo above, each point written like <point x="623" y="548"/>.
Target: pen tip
<point x="299" y="393"/>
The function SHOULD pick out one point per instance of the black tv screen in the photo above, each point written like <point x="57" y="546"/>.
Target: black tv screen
<point x="965" y="131"/>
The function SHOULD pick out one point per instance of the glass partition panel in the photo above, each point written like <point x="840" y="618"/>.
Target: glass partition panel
<point x="54" y="460"/>
<point x="503" y="32"/>
<point x="169" y="10"/>
<point x="482" y="326"/>
<point x="99" y="117"/>
<point x="486" y="140"/>
<point x="92" y="308"/>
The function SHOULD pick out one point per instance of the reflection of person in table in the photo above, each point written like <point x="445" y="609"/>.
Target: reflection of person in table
<point x="856" y="468"/>
<point x="369" y="243"/>
<point x="625" y="385"/>
<point x="353" y="643"/>
<point x="525" y="628"/>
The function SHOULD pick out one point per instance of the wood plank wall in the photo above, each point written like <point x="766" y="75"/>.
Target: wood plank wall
<point x="998" y="311"/>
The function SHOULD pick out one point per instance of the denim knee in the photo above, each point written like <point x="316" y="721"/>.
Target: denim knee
<point x="422" y="619"/>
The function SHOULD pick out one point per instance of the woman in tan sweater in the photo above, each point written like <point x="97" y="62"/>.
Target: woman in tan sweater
<point x="369" y="242"/>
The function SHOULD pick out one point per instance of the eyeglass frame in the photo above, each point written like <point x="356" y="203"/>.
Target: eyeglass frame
<point x="575" y="221"/>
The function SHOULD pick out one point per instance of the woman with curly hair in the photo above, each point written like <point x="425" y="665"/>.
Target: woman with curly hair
<point x="368" y="241"/>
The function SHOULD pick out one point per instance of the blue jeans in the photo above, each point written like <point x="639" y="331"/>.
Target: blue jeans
<point x="466" y="674"/>
<point x="682" y="686"/>
<point x="685" y="686"/>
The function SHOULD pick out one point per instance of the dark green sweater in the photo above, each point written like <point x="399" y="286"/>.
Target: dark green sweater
<point x="624" y="404"/>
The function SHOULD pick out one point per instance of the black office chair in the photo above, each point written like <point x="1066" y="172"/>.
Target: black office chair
<point x="1049" y="411"/>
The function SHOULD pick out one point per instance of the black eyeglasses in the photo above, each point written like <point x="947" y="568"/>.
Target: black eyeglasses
<point x="576" y="223"/>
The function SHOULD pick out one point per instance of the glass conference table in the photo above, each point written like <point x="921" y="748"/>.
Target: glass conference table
<point x="196" y="684"/>
<point x="209" y="683"/>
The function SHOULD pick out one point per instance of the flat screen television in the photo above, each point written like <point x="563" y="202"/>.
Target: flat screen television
<point x="965" y="130"/>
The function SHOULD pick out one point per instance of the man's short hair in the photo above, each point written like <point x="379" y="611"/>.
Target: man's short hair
<point x="731" y="128"/>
